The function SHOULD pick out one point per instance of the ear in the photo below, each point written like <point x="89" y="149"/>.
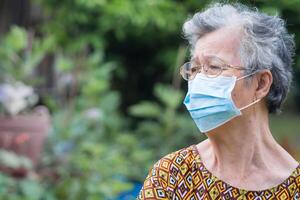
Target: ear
<point x="264" y="82"/>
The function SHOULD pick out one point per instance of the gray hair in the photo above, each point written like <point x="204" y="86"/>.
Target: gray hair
<point x="265" y="43"/>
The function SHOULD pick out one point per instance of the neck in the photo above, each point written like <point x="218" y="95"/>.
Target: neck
<point x="241" y="151"/>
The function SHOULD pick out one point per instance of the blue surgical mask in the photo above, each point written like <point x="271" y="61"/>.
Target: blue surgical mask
<point x="209" y="101"/>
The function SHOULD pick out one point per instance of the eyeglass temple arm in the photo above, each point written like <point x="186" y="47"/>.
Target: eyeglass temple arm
<point x="236" y="67"/>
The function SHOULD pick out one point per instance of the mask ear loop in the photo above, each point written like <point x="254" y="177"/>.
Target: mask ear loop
<point x="250" y="104"/>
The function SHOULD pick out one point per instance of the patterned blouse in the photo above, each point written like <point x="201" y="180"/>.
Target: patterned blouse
<point x="182" y="175"/>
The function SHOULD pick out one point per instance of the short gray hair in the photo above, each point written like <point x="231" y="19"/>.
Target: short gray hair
<point x="265" y="44"/>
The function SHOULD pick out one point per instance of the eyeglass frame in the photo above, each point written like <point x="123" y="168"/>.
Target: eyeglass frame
<point x="200" y="66"/>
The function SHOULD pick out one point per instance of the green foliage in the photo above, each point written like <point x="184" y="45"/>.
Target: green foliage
<point x="146" y="109"/>
<point x="164" y="128"/>
<point x="120" y="29"/>
<point x="103" y="153"/>
<point x="90" y="135"/>
<point x="15" y="189"/>
<point x="90" y="20"/>
<point x="20" y="53"/>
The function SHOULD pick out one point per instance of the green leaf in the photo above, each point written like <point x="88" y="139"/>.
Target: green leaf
<point x="16" y="39"/>
<point x="31" y="187"/>
<point x="64" y="64"/>
<point x="168" y="96"/>
<point x="145" y="109"/>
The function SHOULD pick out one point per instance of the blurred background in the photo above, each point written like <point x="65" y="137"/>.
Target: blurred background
<point x="91" y="96"/>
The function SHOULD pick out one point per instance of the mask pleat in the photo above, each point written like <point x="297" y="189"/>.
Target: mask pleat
<point x="192" y="103"/>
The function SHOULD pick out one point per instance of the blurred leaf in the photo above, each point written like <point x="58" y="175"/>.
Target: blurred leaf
<point x="16" y="39"/>
<point x="145" y="109"/>
<point x="63" y="63"/>
<point x="170" y="97"/>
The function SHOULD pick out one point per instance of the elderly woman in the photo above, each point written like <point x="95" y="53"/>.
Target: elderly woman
<point x="239" y="72"/>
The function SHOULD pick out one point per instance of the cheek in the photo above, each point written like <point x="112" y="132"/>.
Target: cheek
<point x="242" y="95"/>
<point x="235" y="97"/>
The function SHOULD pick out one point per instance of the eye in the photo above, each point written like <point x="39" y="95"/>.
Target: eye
<point x="194" y="70"/>
<point x="214" y="67"/>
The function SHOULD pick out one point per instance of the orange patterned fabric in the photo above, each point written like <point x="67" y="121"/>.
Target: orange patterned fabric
<point x="182" y="175"/>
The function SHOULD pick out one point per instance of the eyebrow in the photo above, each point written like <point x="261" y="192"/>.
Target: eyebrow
<point x="197" y="58"/>
<point x="209" y="56"/>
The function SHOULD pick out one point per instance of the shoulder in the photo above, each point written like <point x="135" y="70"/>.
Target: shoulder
<point x="162" y="179"/>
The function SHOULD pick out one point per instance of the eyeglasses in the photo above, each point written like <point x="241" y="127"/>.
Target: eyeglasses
<point x="212" y="67"/>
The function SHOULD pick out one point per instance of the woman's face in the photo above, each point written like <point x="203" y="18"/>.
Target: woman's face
<point x="224" y="43"/>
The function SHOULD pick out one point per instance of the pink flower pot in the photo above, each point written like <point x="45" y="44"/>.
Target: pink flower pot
<point x="25" y="134"/>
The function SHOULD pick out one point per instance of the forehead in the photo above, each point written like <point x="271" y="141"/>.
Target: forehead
<point x="223" y="43"/>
